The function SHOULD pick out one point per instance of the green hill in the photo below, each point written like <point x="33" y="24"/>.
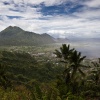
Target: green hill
<point x="17" y="36"/>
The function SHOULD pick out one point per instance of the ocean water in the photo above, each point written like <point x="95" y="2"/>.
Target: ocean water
<point x="89" y="49"/>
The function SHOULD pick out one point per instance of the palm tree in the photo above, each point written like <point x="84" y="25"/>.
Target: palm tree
<point x="72" y="60"/>
<point x="76" y="64"/>
<point x="64" y="53"/>
<point x="74" y="70"/>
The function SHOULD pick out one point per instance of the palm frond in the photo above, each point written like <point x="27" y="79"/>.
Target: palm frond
<point x="82" y="58"/>
<point x="58" y="53"/>
<point x="84" y="66"/>
<point x="95" y="64"/>
<point x="82" y="73"/>
<point x="63" y="61"/>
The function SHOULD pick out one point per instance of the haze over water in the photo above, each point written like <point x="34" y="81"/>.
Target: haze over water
<point x="89" y="49"/>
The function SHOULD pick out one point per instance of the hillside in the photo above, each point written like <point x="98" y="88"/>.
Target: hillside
<point x="17" y="36"/>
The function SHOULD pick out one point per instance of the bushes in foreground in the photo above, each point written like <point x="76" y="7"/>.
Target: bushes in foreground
<point x="22" y="77"/>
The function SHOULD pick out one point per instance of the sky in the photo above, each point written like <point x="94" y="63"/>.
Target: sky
<point x="59" y="18"/>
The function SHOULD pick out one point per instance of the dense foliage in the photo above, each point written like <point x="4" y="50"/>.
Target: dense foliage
<point x="68" y="76"/>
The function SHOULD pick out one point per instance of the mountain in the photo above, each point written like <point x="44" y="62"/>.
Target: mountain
<point x="15" y="36"/>
<point x="61" y="40"/>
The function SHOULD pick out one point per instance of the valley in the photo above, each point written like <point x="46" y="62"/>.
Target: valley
<point x="90" y="49"/>
<point x="47" y="68"/>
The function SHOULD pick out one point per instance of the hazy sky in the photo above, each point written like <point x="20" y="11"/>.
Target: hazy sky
<point x="59" y="18"/>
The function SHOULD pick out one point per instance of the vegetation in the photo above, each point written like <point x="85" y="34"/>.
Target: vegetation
<point x="15" y="36"/>
<point x="68" y="76"/>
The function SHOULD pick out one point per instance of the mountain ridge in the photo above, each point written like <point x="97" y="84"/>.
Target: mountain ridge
<point x="14" y="35"/>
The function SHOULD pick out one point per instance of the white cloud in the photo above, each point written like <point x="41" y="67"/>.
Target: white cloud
<point x="36" y="2"/>
<point x="47" y="2"/>
<point x="93" y="3"/>
<point x="88" y="14"/>
<point x="25" y="12"/>
<point x="78" y="27"/>
<point x="85" y="24"/>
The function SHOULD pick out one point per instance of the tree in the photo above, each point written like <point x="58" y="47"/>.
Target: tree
<point x="76" y="63"/>
<point x="73" y="68"/>
<point x="96" y="71"/>
<point x="72" y="60"/>
<point x="4" y="81"/>
<point x="64" y="54"/>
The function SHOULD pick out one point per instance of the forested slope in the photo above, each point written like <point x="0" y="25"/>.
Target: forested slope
<point x="15" y="36"/>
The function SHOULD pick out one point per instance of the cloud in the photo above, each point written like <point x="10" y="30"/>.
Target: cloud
<point x="93" y="3"/>
<point x="35" y="2"/>
<point x="15" y="10"/>
<point x="78" y="27"/>
<point x="46" y="2"/>
<point x="81" y="22"/>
